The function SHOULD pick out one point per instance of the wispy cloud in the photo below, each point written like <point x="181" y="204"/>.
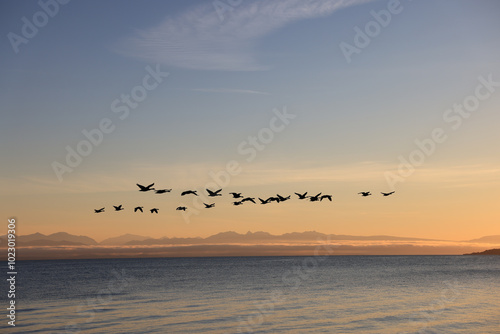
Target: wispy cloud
<point x="343" y="248"/>
<point x="198" y="39"/>
<point x="258" y="174"/>
<point x="228" y="91"/>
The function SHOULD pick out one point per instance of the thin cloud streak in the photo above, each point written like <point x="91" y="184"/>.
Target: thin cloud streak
<point x="197" y="39"/>
<point x="179" y="176"/>
<point x="142" y="251"/>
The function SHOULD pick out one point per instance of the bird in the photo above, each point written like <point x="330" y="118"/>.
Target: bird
<point x="139" y="208"/>
<point x="237" y="203"/>
<point x="187" y="192"/>
<point x="148" y="188"/>
<point x="302" y="196"/>
<point x="263" y="201"/>
<point x="273" y="199"/>
<point x="214" y="193"/>
<point x="183" y="208"/>
<point x="326" y="196"/>
<point x="208" y="206"/>
<point x="118" y="208"/>
<point x="282" y="199"/>
<point x="162" y="191"/>
<point x="387" y="194"/>
<point x="99" y="210"/>
<point x="154" y="210"/>
<point x="248" y="199"/>
<point x="365" y="193"/>
<point x="314" y="198"/>
<point x="236" y="195"/>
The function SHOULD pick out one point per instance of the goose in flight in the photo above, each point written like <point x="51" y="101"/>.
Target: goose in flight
<point x="238" y="203"/>
<point x="314" y="198"/>
<point x="248" y="199"/>
<point x="214" y="193"/>
<point x="273" y="199"/>
<point x="148" y="188"/>
<point x="162" y="191"/>
<point x="187" y="192"/>
<point x="282" y="199"/>
<point x="208" y="206"/>
<point x="387" y="194"/>
<point x="99" y="210"/>
<point x="154" y="210"/>
<point x="139" y="208"/>
<point x="263" y="201"/>
<point x="329" y="197"/>
<point x="118" y="208"/>
<point x="183" y="208"/>
<point x="365" y="193"/>
<point x="303" y="196"/>
<point x="236" y="195"/>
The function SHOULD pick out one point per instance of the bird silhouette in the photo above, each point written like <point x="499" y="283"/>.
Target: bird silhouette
<point x="302" y="196"/>
<point x="99" y="210"/>
<point x="248" y="199"/>
<point x="154" y="210"/>
<point x="326" y="196"/>
<point x="183" y="208"/>
<point x="273" y="199"/>
<point x="162" y="191"/>
<point x="208" y="206"/>
<point x="148" y="188"/>
<point x="282" y="199"/>
<point x="263" y="201"/>
<point x="237" y="203"/>
<point x="236" y="195"/>
<point x="214" y="193"/>
<point x="365" y="193"/>
<point x="138" y="208"/>
<point x="387" y="194"/>
<point x="118" y="208"/>
<point x="314" y="198"/>
<point x="187" y="192"/>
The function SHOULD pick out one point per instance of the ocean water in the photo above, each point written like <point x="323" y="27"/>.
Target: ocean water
<point x="337" y="294"/>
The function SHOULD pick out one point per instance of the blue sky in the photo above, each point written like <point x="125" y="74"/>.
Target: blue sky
<point x="225" y="78"/>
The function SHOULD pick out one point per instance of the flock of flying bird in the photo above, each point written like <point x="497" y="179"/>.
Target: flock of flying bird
<point x="239" y="199"/>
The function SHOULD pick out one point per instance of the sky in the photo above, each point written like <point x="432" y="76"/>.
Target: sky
<point x="257" y="97"/>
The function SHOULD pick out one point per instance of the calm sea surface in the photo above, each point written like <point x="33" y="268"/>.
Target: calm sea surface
<point x="339" y="294"/>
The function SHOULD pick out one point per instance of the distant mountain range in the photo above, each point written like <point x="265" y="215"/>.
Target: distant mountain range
<point x="230" y="237"/>
<point x="55" y="239"/>
<point x="123" y="239"/>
